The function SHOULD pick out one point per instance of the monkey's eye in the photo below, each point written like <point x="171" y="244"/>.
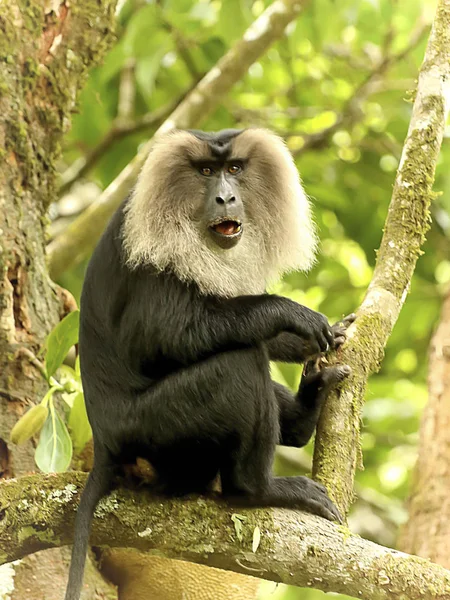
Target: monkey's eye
<point x="234" y="169"/>
<point x="206" y="171"/>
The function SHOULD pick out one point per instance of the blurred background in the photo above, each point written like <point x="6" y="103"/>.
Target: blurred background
<point x="337" y="87"/>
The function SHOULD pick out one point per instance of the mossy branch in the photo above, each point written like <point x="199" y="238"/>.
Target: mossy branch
<point x="337" y="444"/>
<point x="81" y="236"/>
<point x="38" y="511"/>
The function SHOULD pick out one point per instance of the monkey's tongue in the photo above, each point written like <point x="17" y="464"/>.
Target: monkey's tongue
<point x="227" y="227"/>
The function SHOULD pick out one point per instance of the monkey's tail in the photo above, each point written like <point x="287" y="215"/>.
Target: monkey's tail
<point x="97" y="486"/>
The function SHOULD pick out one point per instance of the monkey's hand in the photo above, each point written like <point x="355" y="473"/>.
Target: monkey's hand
<point x="312" y="327"/>
<point x="317" y="367"/>
<point x="290" y="347"/>
<point x="339" y="330"/>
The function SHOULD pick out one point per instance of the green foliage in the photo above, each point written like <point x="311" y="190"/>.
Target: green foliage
<point x="309" y="82"/>
<point x="55" y="447"/>
<point x="78" y="423"/>
<point x="238" y="521"/>
<point x="54" y="451"/>
<point x="60" y="340"/>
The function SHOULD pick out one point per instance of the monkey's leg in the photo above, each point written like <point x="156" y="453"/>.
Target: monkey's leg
<point x="242" y="486"/>
<point x="299" y="414"/>
<point x="97" y="486"/>
<point x="247" y="480"/>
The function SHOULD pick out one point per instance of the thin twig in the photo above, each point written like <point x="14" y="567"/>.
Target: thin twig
<point x="118" y="131"/>
<point x="351" y="112"/>
<point x="33" y="360"/>
<point x="127" y="91"/>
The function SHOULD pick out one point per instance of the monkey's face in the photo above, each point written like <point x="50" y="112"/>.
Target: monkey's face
<point x="218" y="172"/>
<point x="226" y="210"/>
<point x="223" y="209"/>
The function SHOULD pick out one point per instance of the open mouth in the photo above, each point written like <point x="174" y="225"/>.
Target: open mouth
<point x="226" y="226"/>
<point x="225" y="231"/>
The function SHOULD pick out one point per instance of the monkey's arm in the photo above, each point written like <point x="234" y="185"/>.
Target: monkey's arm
<point x="244" y="321"/>
<point x="290" y="348"/>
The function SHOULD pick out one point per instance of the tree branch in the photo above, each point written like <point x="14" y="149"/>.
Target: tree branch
<point x="37" y="512"/>
<point x="120" y="129"/>
<point x="337" y="448"/>
<point x="351" y="111"/>
<point x="82" y="235"/>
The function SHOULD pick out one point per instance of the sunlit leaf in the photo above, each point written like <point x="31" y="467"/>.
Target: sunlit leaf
<point x="80" y="429"/>
<point x="256" y="539"/>
<point x="54" y="451"/>
<point x="60" y="340"/>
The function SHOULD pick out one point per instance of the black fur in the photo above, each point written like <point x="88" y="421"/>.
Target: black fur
<point x="182" y="379"/>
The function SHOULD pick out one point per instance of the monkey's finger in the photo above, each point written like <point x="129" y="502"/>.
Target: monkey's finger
<point x="329" y="335"/>
<point x="325" y="342"/>
<point x="324" y="508"/>
<point x="339" y="340"/>
<point x="321" y="488"/>
<point x="333" y="376"/>
<point x="344" y="323"/>
<point x="348" y="320"/>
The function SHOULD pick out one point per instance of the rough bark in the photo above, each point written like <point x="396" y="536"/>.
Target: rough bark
<point x="427" y="532"/>
<point x="81" y="236"/>
<point x="296" y="548"/>
<point x="337" y="449"/>
<point x="45" y="51"/>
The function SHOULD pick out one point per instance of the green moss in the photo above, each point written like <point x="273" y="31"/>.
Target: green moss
<point x="30" y="73"/>
<point x="33" y="17"/>
<point x="30" y="532"/>
<point x="398" y="574"/>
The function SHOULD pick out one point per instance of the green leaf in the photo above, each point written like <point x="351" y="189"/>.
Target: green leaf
<point x="54" y="451"/>
<point x="80" y="429"/>
<point x="60" y="340"/>
<point x="238" y="520"/>
<point x="29" y="424"/>
<point x="234" y="18"/>
<point x="146" y="71"/>
<point x="256" y="538"/>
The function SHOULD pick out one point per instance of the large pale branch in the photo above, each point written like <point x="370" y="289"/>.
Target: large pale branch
<point x="38" y="512"/>
<point x="81" y="236"/>
<point x="337" y="442"/>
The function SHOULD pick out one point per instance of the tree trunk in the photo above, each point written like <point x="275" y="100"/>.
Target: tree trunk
<point x="427" y="532"/>
<point x="337" y="450"/>
<point x="140" y="576"/>
<point x="46" y="49"/>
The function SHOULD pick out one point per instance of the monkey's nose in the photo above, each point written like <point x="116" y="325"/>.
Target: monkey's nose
<point x="229" y="200"/>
